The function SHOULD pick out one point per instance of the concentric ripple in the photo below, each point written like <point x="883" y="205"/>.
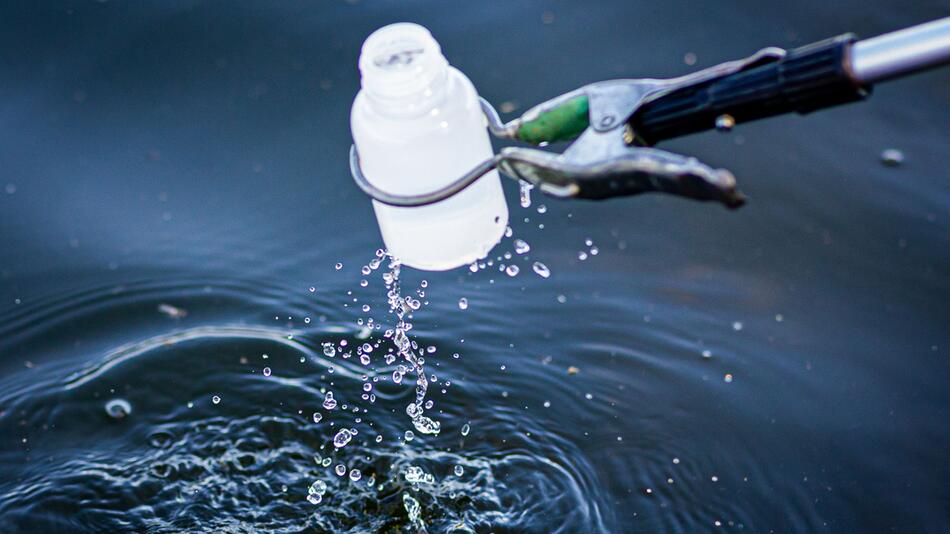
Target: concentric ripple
<point x="183" y="429"/>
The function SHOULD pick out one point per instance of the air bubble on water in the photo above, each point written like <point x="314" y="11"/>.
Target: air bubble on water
<point x="364" y="283"/>
<point x="342" y="438"/>
<point x="326" y="462"/>
<point x="542" y="208"/>
<point x="355" y="475"/>
<point x="340" y="470"/>
<point x="465" y="429"/>
<point x="364" y="359"/>
<point x="367" y="387"/>
<point x="119" y="408"/>
<point x="317" y="417"/>
<point x="588" y="241"/>
<point x="512" y="270"/>
<point x="526" y="194"/>
<point x="582" y="255"/>
<point x="707" y="354"/>
<point x="366" y="308"/>
<point x="314" y="498"/>
<point x="594" y="251"/>
<point x="727" y="378"/>
<point x="379" y="438"/>
<point x="737" y="326"/>
<point x="521" y="246"/>
<point x="329" y="402"/>
<point x="312" y="289"/>
<point x="508" y="233"/>
<point x="306" y="320"/>
<point x="366" y="270"/>
<point x="216" y="399"/>
<point x="459" y="470"/>
<point x="266" y="371"/>
<point x="547" y="404"/>
<point x="541" y="269"/>
<point x="409" y="435"/>
<point x="318" y="487"/>
<point x="473" y="267"/>
<point x="329" y="350"/>
<point x="338" y="266"/>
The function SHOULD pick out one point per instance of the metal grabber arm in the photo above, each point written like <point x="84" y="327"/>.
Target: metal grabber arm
<point x="613" y="123"/>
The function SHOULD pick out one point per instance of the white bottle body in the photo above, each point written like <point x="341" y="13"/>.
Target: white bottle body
<point x="422" y="138"/>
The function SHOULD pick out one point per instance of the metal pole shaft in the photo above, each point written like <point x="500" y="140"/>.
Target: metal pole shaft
<point x="902" y="52"/>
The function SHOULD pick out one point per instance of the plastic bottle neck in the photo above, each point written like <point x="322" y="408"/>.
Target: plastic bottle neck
<point x="403" y="71"/>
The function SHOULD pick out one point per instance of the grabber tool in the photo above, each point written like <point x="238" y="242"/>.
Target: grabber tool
<point x="613" y="124"/>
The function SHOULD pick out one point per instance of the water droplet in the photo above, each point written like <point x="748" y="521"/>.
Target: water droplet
<point x="266" y="371"/>
<point x="415" y="475"/>
<point x="547" y="404"/>
<point x="338" y="266"/>
<point x="512" y="270"/>
<point x="892" y="157"/>
<point x="329" y="402"/>
<point x="118" y="408"/>
<point x="737" y="326"/>
<point x="521" y="246"/>
<point x="525" y="196"/>
<point x="340" y="469"/>
<point x="541" y="269"/>
<point x="707" y="354"/>
<point x="728" y="378"/>
<point x="312" y="289"/>
<point x="317" y="417"/>
<point x="463" y="303"/>
<point x="409" y="435"/>
<point x="542" y="208"/>
<point x="459" y="470"/>
<point x="342" y="438"/>
<point x="216" y="399"/>
<point x="465" y="429"/>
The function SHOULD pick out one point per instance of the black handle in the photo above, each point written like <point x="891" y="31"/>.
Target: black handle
<point x="812" y="77"/>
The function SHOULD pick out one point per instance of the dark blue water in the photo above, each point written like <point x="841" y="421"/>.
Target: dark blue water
<point x="173" y="180"/>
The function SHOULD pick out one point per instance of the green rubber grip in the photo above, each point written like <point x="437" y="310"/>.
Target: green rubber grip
<point x="562" y="123"/>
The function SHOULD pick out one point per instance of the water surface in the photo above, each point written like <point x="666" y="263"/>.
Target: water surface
<point x="174" y="180"/>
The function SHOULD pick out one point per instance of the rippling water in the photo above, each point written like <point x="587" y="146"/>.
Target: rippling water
<point x="174" y="182"/>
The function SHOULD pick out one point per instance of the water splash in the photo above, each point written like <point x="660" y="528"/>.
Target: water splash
<point x="398" y="306"/>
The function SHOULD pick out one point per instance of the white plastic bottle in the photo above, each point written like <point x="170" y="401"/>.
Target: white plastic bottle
<point x="418" y="126"/>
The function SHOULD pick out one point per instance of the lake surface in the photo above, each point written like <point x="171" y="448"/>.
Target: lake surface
<point x="174" y="180"/>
